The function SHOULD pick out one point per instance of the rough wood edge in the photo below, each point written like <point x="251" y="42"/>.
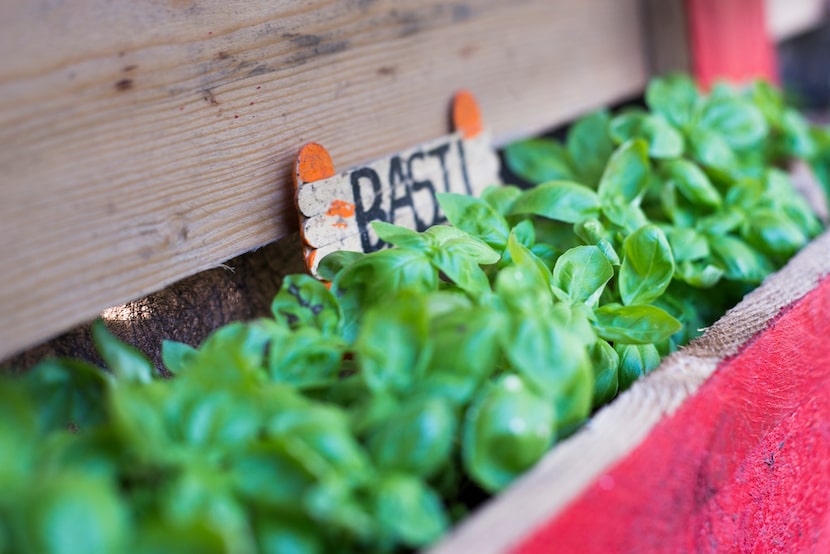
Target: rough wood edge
<point x="620" y="427"/>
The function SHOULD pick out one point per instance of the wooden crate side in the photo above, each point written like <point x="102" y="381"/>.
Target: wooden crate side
<point x="146" y="141"/>
<point x="603" y="474"/>
<point x="744" y="465"/>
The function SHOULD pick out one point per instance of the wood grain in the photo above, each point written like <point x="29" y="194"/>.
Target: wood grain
<point x="146" y="141"/>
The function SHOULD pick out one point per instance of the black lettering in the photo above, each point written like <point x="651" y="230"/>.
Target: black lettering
<point x="440" y="152"/>
<point x="427" y="185"/>
<point x="364" y="217"/>
<point x="464" y="167"/>
<point x="399" y="183"/>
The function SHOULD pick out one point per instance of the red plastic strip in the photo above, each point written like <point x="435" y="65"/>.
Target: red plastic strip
<point x="741" y="466"/>
<point x="729" y="40"/>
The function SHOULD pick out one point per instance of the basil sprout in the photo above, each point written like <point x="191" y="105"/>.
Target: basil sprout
<point x="507" y="429"/>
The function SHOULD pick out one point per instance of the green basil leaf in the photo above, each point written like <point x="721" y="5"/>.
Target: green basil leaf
<point x="774" y="233"/>
<point x="320" y="439"/>
<point x="559" y="200"/>
<point x="507" y="429"/>
<point x="135" y="414"/>
<point x="699" y="274"/>
<point x="605" y="363"/>
<point x="417" y="440"/>
<point x="399" y="236"/>
<point x="392" y="345"/>
<point x="693" y="183"/>
<point x="19" y="433"/>
<point x="576" y="319"/>
<point x="443" y="238"/>
<point x="525" y="285"/>
<point x="739" y="261"/>
<point x="687" y="244"/>
<point x="713" y="152"/>
<point x="233" y="353"/>
<point x="267" y="474"/>
<point x="626" y="176"/>
<point x="177" y="356"/>
<point x="720" y="223"/>
<point x="71" y="512"/>
<point x="664" y="141"/>
<point x="554" y="361"/>
<point x="798" y="139"/>
<point x="740" y="123"/>
<point x="634" y="324"/>
<point x="335" y="504"/>
<point x="525" y="233"/>
<point x="458" y="256"/>
<point x="476" y="217"/>
<point x="591" y="231"/>
<point x="800" y="213"/>
<point x="127" y="362"/>
<point x="501" y="197"/>
<point x="636" y="360"/>
<point x="745" y="194"/>
<point x="356" y="288"/>
<point x="462" y="271"/>
<point x="583" y="272"/>
<point x="610" y="252"/>
<point x="408" y="510"/>
<point x="305" y="358"/>
<point x="679" y="210"/>
<point x="285" y="534"/>
<point x="537" y="160"/>
<point x="627" y="217"/>
<point x="675" y="98"/>
<point x="647" y="266"/>
<point x="589" y="146"/>
<point x="303" y="301"/>
<point x="69" y="392"/>
<point x="769" y="100"/>
<point x="335" y="261"/>
<point x="524" y="258"/>
<point x="464" y="351"/>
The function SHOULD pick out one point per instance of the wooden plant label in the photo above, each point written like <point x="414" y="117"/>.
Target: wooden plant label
<point x="336" y="210"/>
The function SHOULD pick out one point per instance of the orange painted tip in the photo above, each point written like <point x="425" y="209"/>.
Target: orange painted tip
<point x="466" y="117"/>
<point x="310" y="255"/>
<point x="313" y="164"/>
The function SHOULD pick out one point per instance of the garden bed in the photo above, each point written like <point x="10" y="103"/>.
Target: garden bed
<point x="368" y="414"/>
<point x="724" y="447"/>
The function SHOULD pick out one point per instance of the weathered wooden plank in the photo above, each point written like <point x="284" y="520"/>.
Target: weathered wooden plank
<point x="146" y="141"/>
<point x="667" y="28"/>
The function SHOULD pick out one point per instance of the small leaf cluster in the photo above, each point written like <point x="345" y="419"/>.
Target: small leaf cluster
<point x="362" y="414"/>
<point x="715" y="183"/>
<point x="232" y="454"/>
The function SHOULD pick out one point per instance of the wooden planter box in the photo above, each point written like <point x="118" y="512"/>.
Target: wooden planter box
<point x="145" y="142"/>
<point x="724" y="448"/>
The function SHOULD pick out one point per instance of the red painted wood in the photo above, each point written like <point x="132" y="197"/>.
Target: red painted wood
<point x="742" y="466"/>
<point x="729" y="40"/>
